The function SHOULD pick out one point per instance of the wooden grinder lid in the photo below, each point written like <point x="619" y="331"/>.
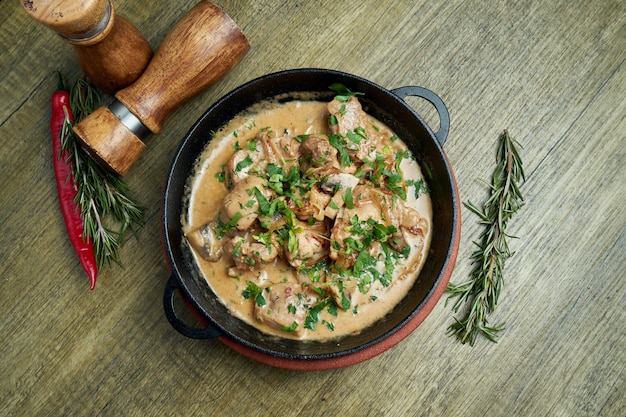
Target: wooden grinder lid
<point x="77" y="21"/>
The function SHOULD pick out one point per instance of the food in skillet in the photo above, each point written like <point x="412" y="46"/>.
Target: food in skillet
<point x="308" y="220"/>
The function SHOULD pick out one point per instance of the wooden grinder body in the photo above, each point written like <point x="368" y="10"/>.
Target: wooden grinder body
<point x="201" y="48"/>
<point x="111" y="51"/>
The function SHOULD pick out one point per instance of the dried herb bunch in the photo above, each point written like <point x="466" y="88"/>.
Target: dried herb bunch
<point x="483" y="288"/>
<point x="105" y="201"/>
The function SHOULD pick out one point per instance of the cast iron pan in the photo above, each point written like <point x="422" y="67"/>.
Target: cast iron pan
<point x="389" y="107"/>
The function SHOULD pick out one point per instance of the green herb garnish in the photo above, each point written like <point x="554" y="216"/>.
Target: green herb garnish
<point x="343" y="93"/>
<point x="254" y="292"/>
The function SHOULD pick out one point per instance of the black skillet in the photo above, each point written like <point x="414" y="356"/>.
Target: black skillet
<point x="389" y="107"/>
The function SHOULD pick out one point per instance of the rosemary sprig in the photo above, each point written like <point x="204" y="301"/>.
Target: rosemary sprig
<point x="483" y="288"/>
<point x="107" y="208"/>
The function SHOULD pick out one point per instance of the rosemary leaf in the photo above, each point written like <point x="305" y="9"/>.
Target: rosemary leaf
<point x="481" y="292"/>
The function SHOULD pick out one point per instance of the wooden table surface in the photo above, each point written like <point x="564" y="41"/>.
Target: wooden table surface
<point x="552" y="72"/>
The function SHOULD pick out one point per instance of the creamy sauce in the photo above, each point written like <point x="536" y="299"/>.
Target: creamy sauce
<point x="206" y="198"/>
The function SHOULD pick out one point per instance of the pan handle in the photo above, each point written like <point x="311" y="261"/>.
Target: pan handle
<point x="444" y="116"/>
<point x="208" y="332"/>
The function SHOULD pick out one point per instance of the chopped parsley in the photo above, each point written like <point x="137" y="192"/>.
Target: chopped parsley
<point x="246" y="162"/>
<point x="290" y="329"/>
<point x="343" y="93"/>
<point x="347" y="198"/>
<point x="419" y="186"/>
<point x="251" y="145"/>
<point x="255" y="293"/>
<point x="357" y="135"/>
<point x="223" y="228"/>
<point x="339" y="143"/>
<point x="221" y="174"/>
<point x="313" y="313"/>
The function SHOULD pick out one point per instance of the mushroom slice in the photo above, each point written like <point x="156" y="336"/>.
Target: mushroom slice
<point x="206" y="242"/>
<point x="340" y="181"/>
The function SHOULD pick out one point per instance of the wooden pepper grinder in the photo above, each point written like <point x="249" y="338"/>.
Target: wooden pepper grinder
<point x="111" y="51"/>
<point x="203" y="46"/>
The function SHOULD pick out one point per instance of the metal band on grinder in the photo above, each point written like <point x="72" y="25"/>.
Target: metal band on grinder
<point x="129" y="120"/>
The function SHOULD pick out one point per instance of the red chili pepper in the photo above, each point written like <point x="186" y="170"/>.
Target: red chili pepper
<point x="66" y="188"/>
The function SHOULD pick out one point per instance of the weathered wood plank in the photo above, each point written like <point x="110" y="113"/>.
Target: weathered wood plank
<point x="554" y="73"/>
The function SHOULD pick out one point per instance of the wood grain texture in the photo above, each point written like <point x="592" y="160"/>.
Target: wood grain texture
<point x="553" y="73"/>
<point x="73" y="19"/>
<point x="203" y="46"/>
<point x="109" y="49"/>
<point x="116" y="60"/>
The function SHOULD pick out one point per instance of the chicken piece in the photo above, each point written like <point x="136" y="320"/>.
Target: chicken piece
<point x="349" y="115"/>
<point x="318" y="155"/>
<point x="316" y="273"/>
<point x="307" y="244"/>
<point x="242" y="201"/>
<point x="282" y="151"/>
<point x="403" y="217"/>
<point x="249" y="254"/>
<point x="286" y="307"/>
<point x="338" y="184"/>
<point x="363" y="208"/>
<point x="344" y="292"/>
<point x="365" y="142"/>
<point x="331" y="210"/>
<point x="311" y="204"/>
<point x="242" y="162"/>
<point x="205" y="242"/>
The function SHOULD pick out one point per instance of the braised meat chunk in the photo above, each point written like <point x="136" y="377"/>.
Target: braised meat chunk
<point x="363" y="140"/>
<point x="242" y="203"/>
<point x="286" y="307"/>
<point x="307" y="244"/>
